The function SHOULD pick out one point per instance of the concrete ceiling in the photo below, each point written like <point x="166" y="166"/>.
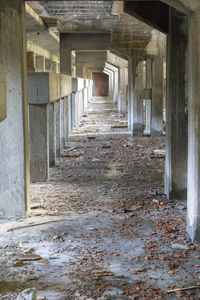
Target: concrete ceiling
<point x="78" y="16"/>
<point x="72" y="8"/>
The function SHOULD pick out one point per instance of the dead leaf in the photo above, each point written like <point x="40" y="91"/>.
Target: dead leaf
<point x="132" y="292"/>
<point x="30" y="277"/>
<point x="29" y="257"/>
<point x="132" y="271"/>
<point x="103" y="286"/>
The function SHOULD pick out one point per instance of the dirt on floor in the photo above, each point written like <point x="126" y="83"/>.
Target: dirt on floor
<point x="102" y="227"/>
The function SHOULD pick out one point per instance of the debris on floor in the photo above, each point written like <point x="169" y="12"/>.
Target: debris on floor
<point x="108" y="231"/>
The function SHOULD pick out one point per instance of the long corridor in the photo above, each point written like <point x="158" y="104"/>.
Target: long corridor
<point x="101" y="227"/>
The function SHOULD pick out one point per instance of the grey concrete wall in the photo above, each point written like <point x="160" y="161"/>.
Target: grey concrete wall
<point x="39" y="142"/>
<point x="13" y="143"/>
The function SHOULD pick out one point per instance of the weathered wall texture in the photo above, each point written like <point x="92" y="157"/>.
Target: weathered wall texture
<point x="12" y="188"/>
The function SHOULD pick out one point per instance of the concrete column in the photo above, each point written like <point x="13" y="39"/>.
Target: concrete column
<point x="66" y="135"/>
<point x="74" y="97"/>
<point x="48" y="65"/>
<point x="52" y="134"/>
<point x="111" y="82"/>
<point x="54" y="66"/>
<point x="138" y="101"/>
<point x="122" y="105"/>
<point x="39" y="142"/>
<point x="14" y="141"/>
<point x="85" y="96"/>
<point x="115" y="88"/>
<point x="148" y="116"/>
<point x="148" y="96"/>
<point x="30" y="61"/>
<point x="157" y="96"/>
<point x="40" y="63"/>
<point x="136" y="92"/>
<point x="115" y="82"/>
<point x="193" y="181"/>
<point x="65" y="57"/>
<point x="62" y="119"/>
<point x="58" y="68"/>
<point x="69" y="119"/>
<point x="177" y="116"/>
<point x="130" y="95"/>
<point x="58" y="131"/>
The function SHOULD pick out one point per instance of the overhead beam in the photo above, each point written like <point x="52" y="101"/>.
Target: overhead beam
<point x="154" y="13"/>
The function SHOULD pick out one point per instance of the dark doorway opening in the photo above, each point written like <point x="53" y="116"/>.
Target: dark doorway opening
<point x="101" y="84"/>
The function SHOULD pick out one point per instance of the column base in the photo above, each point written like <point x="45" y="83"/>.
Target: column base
<point x="178" y="194"/>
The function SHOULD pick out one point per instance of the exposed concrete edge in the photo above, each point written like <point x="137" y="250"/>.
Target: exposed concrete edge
<point x="179" y="5"/>
<point x="116" y="60"/>
<point x="109" y="65"/>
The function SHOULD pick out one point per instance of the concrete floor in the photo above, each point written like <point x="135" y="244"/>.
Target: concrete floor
<point x="110" y="231"/>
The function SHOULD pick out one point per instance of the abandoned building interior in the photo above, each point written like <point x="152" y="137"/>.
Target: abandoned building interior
<point x="100" y="150"/>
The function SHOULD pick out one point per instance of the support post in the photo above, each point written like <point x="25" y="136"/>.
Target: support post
<point x="193" y="183"/>
<point x="122" y="103"/>
<point x="52" y="134"/>
<point x="14" y="140"/>
<point x="157" y="96"/>
<point x="58" y="136"/>
<point x="177" y="116"/>
<point x="39" y="142"/>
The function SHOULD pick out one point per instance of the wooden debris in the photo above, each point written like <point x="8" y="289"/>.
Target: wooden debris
<point x="70" y="149"/>
<point x="183" y="289"/>
<point x="34" y="224"/>
<point x="29" y="257"/>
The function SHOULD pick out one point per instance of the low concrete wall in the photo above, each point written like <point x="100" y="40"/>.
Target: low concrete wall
<point x="65" y="85"/>
<point x="47" y="87"/>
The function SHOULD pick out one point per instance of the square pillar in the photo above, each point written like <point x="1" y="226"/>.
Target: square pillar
<point x="177" y="115"/>
<point x="122" y="103"/>
<point x="39" y="142"/>
<point x="52" y="134"/>
<point x="48" y="65"/>
<point x="115" y="88"/>
<point x="157" y="96"/>
<point x="14" y="140"/>
<point x="39" y="63"/>
<point x="136" y="87"/>
<point x="58" y="131"/>
<point x="148" y="117"/>
<point x="62" y="120"/>
<point x="193" y="181"/>
<point x="138" y="101"/>
<point x="74" y="97"/>
<point x="30" y="61"/>
<point x="66" y="119"/>
<point x="69" y="119"/>
<point x="54" y="66"/>
<point x="65" y="57"/>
